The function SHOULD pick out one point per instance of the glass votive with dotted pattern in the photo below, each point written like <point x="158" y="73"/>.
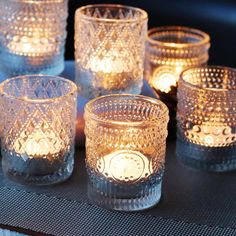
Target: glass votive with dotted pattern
<point x="32" y="36"/>
<point x="206" y="118"/>
<point x="125" y="149"/>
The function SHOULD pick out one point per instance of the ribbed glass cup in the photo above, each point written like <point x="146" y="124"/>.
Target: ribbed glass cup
<point x="37" y="139"/>
<point x="32" y="36"/>
<point x="169" y="51"/>
<point x="207" y="118"/>
<point x="109" y="49"/>
<point x="125" y="150"/>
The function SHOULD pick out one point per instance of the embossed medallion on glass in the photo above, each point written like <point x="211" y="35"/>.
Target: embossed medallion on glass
<point x="206" y="118"/>
<point x="32" y="36"/>
<point x="125" y="149"/>
<point x="37" y="141"/>
<point x="109" y="49"/>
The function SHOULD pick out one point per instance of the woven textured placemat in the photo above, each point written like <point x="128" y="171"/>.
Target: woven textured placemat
<point x="193" y="203"/>
<point x="57" y="216"/>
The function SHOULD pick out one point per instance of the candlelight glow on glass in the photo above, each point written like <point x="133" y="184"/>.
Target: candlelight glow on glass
<point x="125" y="150"/>
<point x="169" y="51"/>
<point x="38" y="128"/>
<point x="206" y="118"/>
<point x="109" y="49"/>
<point x="32" y="36"/>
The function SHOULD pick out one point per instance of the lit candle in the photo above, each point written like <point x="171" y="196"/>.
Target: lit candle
<point x="165" y="78"/>
<point x="38" y="128"/>
<point x="114" y="70"/>
<point x="109" y="49"/>
<point x="39" y="145"/>
<point x="32" y="36"/>
<point x="125" y="166"/>
<point x="206" y="118"/>
<point x="169" y="51"/>
<point x="37" y="44"/>
<point x="125" y="150"/>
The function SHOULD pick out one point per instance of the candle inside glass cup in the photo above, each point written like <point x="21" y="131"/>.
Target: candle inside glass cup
<point x="169" y="51"/>
<point x="206" y="118"/>
<point x="32" y="36"/>
<point x="125" y="147"/>
<point x="38" y="128"/>
<point x="109" y="49"/>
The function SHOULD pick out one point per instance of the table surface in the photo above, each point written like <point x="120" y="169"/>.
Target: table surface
<point x="193" y="203"/>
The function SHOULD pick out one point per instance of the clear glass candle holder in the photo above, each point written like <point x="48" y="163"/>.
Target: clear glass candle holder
<point x="125" y="150"/>
<point x="37" y="140"/>
<point x="32" y="36"/>
<point x="207" y="118"/>
<point x="169" y="51"/>
<point x="109" y="49"/>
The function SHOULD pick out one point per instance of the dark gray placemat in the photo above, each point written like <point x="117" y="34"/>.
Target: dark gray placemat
<point x="53" y="215"/>
<point x="189" y="197"/>
<point x="193" y="203"/>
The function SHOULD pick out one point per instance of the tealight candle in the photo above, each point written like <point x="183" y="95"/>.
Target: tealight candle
<point x="109" y="49"/>
<point x="125" y="150"/>
<point x="169" y="51"/>
<point x="38" y="128"/>
<point x="206" y="118"/>
<point x="32" y="36"/>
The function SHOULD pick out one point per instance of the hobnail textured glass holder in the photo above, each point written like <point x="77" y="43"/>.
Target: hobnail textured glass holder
<point x="169" y="51"/>
<point x="206" y="118"/>
<point x="37" y="140"/>
<point x="109" y="49"/>
<point x="32" y="36"/>
<point x="125" y="149"/>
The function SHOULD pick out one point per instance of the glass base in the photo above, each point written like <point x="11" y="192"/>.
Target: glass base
<point x="13" y="65"/>
<point x="37" y="171"/>
<point x="124" y="196"/>
<point x="216" y="159"/>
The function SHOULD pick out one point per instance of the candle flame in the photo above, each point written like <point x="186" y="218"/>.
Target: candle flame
<point x="38" y="144"/>
<point x="164" y="78"/>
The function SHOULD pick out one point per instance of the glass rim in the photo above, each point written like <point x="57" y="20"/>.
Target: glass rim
<point x="38" y="100"/>
<point x="205" y="37"/>
<point x="143" y="16"/>
<point x="195" y="86"/>
<point x="164" y="110"/>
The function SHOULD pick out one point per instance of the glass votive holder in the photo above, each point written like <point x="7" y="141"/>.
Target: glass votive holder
<point x="125" y="150"/>
<point x="32" y="36"/>
<point x="37" y="141"/>
<point x="206" y="118"/>
<point x="169" y="51"/>
<point x="109" y="49"/>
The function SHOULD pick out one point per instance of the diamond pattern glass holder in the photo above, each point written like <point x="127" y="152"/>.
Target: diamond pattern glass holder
<point x="32" y="36"/>
<point x="38" y="128"/>
<point x="206" y="137"/>
<point x="169" y="51"/>
<point x="125" y="150"/>
<point x="109" y="49"/>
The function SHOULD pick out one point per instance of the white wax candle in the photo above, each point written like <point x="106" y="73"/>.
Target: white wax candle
<point x="125" y="166"/>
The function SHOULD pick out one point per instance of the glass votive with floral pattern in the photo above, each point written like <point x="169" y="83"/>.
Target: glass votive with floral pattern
<point x="206" y="118"/>
<point x="109" y="49"/>
<point x="37" y="140"/>
<point x="32" y="36"/>
<point x="169" y="51"/>
<point x="125" y="150"/>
